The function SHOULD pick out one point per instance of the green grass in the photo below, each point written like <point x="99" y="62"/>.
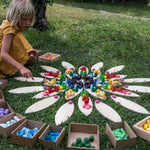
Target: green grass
<point x="128" y="8"/>
<point x="85" y="38"/>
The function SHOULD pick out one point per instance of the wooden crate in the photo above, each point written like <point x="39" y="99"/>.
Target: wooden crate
<point x="44" y="58"/>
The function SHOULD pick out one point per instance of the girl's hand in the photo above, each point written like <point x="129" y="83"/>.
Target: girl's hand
<point x="26" y="72"/>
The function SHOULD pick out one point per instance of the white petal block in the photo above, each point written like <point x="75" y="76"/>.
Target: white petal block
<point x="130" y="105"/>
<point x="67" y="65"/>
<point x="48" y="68"/>
<point x="119" y="93"/>
<point x="137" y="80"/>
<point x="97" y="66"/>
<point x="68" y="75"/>
<point x="115" y="69"/>
<point x="36" y="79"/>
<point x="28" y="89"/>
<point x="63" y="113"/>
<point x="108" y="112"/>
<point x="85" y="111"/>
<point x="42" y="104"/>
<point x="142" y="89"/>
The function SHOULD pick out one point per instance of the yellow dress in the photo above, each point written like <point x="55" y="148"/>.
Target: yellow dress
<point x="19" y="49"/>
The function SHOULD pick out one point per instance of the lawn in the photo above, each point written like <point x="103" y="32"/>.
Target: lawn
<point x="128" y="7"/>
<point x="85" y="37"/>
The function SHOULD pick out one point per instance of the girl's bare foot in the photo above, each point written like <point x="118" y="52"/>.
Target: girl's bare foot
<point x="3" y="84"/>
<point x="31" y="60"/>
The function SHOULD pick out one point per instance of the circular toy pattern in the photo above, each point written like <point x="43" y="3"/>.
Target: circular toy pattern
<point x="84" y="82"/>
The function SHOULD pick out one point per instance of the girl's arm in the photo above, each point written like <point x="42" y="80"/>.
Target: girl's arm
<point x="6" y="45"/>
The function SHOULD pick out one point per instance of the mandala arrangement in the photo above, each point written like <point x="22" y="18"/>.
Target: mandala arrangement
<point x="84" y="83"/>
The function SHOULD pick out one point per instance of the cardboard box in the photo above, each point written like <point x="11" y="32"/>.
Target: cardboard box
<point x="141" y="132"/>
<point x="29" y="142"/>
<point x="43" y="57"/>
<point x="130" y="142"/>
<point x="7" y="131"/>
<point x="83" y="130"/>
<point x="50" y="144"/>
<point x="5" y="105"/>
<point x="1" y="96"/>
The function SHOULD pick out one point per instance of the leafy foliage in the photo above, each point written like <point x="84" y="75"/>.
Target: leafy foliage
<point x="5" y="3"/>
<point x="148" y="3"/>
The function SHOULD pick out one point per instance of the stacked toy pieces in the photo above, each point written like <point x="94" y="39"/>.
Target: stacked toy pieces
<point x="51" y="136"/>
<point x="8" y="123"/>
<point x="120" y="134"/>
<point x="85" y="143"/>
<point x="26" y="132"/>
<point x="146" y="126"/>
<point x="4" y="111"/>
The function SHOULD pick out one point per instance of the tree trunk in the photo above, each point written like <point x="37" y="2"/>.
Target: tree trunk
<point x="41" y="21"/>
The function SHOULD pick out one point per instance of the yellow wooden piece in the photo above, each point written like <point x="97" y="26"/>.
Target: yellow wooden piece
<point x="109" y="87"/>
<point x="60" y="87"/>
<point x="145" y="126"/>
<point x="48" y="55"/>
<point x="98" y="90"/>
<point x="110" y="82"/>
<point x="148" y="122"/>
<point x="148" y="130"/>
<point x="68" y="71"/>
<point x="54" y="81"/>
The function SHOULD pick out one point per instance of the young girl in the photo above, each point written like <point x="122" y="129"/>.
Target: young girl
<point x="15" y="51"/>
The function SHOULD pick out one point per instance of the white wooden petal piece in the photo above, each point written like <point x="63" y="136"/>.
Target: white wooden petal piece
<point x="63" y="113"/>
<point x="108" y="112"/>
<point x="40" y="95"/>
<point x="115" y="69"/>
<point x="51" y="85"/>
<point x="85" y="111"/>
<point x="42" y="104"/>
<point x="48" y="68"/>
<point x="76" y="94"/>
<point x="50" y="77"/>
<point x="68" y="75"/>
<point x="97" y="66"/>
<point x="93" y="93"/>
<point x="96" y="77"/>
<point x="118" y="93"/>
<point x="67" y="65"/>
<point x="87" y="70"/>
<point x="142" y="89"/>
<point x="28" y="89"/>
<point x="137" y="80"/>
<point x="36" y="79"/>
<point x="130" y="105"/>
